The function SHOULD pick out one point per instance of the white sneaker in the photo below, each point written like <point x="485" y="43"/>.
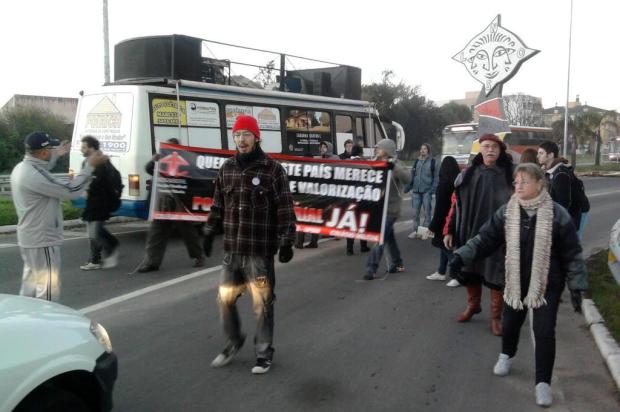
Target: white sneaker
<point x="90" y="266"/>
<point x="502" y="367"/>
<point x="453" y="283"/>
<point x="112" y="260"/>
<point x="543" y="394"/>
<point x="413" y="235"/>
<point x="436" y="276"/>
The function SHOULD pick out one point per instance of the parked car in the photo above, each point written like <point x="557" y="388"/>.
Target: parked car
<point x="52" y="358"/>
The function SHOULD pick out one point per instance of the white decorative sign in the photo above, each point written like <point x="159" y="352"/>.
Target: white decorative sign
<point x="493" y="56"/>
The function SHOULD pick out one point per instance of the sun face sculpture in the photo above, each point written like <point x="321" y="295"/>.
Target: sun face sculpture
<point x="494" y="56"/>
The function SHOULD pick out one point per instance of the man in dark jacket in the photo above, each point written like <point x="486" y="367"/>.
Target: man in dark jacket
<point x="161" y="230"/>
<point x="558" y="174"/>
<point x="253" y="203"/>
<point x="481" y="189"/>
<point x="97" y="211"/>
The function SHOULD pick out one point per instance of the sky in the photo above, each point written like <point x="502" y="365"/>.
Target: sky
<point x="56" y="48"/>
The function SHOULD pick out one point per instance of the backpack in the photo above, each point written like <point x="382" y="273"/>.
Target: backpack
<point x="578" y="199"/>
<point x="115" y="188"/>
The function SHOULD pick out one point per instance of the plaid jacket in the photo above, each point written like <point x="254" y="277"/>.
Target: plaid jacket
<point x="254" y="206"/>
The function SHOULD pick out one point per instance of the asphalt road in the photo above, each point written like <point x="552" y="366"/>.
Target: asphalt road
<point x="341" y="344"/>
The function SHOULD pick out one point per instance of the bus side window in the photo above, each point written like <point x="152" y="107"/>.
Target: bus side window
<point x="378" y="132"/>
<point x="305" y="129"/>
<point x="361" y="137"/>
<point x="268" y="122"/>
<point x="344" y="131"/>
<point x="205" y="117"/>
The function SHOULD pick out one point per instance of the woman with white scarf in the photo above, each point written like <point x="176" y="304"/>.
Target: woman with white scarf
<point x="542" y="254"/>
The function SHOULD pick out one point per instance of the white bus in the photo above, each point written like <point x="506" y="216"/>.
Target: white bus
<point x="129" y="119"/>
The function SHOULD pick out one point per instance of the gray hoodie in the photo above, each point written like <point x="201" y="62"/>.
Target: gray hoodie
<point x="37" y="195"/>
<point x="400" y="177"/>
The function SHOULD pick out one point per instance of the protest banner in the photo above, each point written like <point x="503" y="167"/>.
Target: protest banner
<point x="341" y="198"/>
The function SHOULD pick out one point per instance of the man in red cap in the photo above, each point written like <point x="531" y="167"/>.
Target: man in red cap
<point x="480" y="190"/>
<point x="253" y="204"/>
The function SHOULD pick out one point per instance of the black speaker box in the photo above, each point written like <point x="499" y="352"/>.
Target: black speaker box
<point x="339" y="81"/>
<point x="172" y="57"/>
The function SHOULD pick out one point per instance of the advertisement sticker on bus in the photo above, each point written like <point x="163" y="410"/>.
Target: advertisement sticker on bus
<point x="232" y="111"/>
<point x="165" y="112"/>
<point x="306" y="129"/>
<point x="107" y="118"/>
<point x="268" y="117"/>
<point x="202" y="114"/>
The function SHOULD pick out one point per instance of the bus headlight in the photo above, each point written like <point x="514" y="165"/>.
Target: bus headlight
<point x="134" y="185"/>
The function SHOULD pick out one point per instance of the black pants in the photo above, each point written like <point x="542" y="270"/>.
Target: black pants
<point x="159" y="233"/>
<point x="363" y="244"/>
<point x="544" y="332"/>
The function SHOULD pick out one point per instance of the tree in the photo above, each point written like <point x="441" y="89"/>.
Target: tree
<point x="16" y="123"/>
<point x="266" y="75"/>
<point x="523" y="110"/>
<point x="588" y="126"/>
<point x="455" y="113"/>
<point x="421" y="119"/>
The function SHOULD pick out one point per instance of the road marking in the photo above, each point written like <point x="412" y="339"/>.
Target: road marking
<point x="7" y="245"/>
<point x="603" y="193"/>
<point x="148" y="289"/>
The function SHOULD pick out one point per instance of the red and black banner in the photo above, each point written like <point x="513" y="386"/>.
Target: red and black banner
<point x="341" y="198"/>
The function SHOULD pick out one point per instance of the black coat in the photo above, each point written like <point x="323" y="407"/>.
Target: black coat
<point x="480" y="191"/>
<point x="443" y="202"/>
<point x="566" y="261"/>
<point x="559" y="184"/>
<point x="98" y="206"/>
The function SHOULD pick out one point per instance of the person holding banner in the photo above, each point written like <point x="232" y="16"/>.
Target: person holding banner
<point x="161" y="230"/>
<point x="253" y="204"/>
<point x="385" y="150"/>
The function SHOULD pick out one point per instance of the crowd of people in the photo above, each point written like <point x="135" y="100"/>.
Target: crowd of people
<point x="474" y="217"/>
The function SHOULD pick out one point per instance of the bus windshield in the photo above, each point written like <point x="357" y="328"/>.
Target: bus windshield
<point x="458" y="143"/>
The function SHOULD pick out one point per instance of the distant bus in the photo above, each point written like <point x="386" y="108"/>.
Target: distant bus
<point x="461" y="140"/>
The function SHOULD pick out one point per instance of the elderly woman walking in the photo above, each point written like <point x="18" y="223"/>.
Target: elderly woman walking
<point x="542" y="254"/>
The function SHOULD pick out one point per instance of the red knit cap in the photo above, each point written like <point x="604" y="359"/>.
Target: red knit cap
<point x="493" y="138"/>
<point x="249" y="123"/>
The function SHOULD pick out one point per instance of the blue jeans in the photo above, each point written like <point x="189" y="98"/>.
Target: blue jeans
<point x="256" y="274"/>
<point x="445" y="256"/>
<point x="419" y="201"/>
<point x="372" y="264"/>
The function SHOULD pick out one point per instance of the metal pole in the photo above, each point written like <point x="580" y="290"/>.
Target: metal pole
<point x="570" y="35"/>
<point x="282" y="72"/>
<point x="106" y="43"/>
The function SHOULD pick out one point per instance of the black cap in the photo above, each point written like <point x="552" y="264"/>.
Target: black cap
<point x="39" y="140"/>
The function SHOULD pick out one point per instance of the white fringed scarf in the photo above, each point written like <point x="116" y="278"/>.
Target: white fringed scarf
<point x="535" y="298"/>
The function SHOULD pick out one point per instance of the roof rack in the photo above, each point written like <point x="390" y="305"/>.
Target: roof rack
<point x="148" y="60"/>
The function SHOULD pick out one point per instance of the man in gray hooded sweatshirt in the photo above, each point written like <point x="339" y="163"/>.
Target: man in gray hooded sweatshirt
<point x="386" y="150"/>
<point x="37" y="195"/>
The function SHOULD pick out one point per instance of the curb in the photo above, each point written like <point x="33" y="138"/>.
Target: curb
<point x="598" y="174"/>
<point x="69" y="224"/>
<point x="609" y="348"/>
